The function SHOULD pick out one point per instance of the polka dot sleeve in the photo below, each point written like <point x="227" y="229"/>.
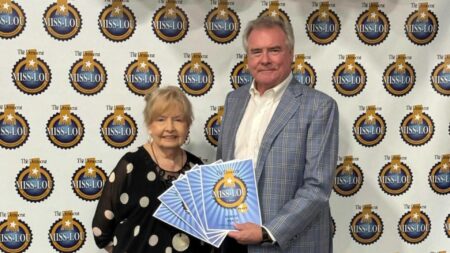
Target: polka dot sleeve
<point x="108" y="212"/>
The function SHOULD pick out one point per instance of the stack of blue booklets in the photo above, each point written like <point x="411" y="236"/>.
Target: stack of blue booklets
<point x="209" y="199"/>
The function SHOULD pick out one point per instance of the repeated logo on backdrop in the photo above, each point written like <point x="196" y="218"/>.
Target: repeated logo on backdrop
<point x="369" y="128"/>
<point x="440" y="78"/>
<point x="417" y="128"/>
<point x="240" y="75"/>
<point x="303" y="72"/>
<point x="67" y="234"/>
<point x="372" y="26"/>
<point x="422" y="25"/>
<point x="63" y="23"/>
<point x="212" y="126"/>
<point x="31" y="74"/>
<point x="222" y="24"/>
<point x="34" y="183"/>
<point x="275" y="11"/>
<point x="349" y="177"/>
<point x="349" y="78"/>
<point x="15" y="234"/>
<point x="142" y="76"/>
<point x="62" y="20"/>
<point x="14" y="128"/>
<point x="399" y="77"/>
<point x="366" y="226"/>
<point x="323" y="25"/>
<point x="414" y="226"/>
<point x="87" y="75"/>
<point x="118" y="129"/>
<point x="117" y="22"/>
<point x="65" y="129"/>
<point x="12" y="19"/>
<point x="196" y="77"/>
<point x="439" y="177"/>
<point x="88" y="180"/>
<point x="395" y="177"/>
<point x="170" y="23"/>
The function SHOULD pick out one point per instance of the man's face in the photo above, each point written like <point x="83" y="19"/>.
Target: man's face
<point x="269" y="58"/>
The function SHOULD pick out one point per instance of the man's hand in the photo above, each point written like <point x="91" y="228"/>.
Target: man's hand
<point x="247" y="233"/>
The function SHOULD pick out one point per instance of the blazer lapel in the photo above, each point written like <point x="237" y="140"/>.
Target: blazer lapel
<point x="237" y="104"/>
<point x="285" y="110"/>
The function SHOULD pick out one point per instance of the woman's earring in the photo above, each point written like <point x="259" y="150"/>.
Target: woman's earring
<point x="187" y="140"/>
<point x="149" y="137"/>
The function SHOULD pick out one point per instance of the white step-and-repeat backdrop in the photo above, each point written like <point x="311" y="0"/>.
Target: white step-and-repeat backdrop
<point x="73" y="74"/>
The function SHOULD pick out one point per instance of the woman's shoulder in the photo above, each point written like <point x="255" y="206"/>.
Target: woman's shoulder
<point x="193" y="158"/>
<point x="134" y="157"/>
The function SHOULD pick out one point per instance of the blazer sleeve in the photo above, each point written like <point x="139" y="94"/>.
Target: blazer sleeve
<point x="219" y="152"/>
<point x="313" y="196"/>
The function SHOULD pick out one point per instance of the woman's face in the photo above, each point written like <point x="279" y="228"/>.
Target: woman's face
<point x="169" y="130"/>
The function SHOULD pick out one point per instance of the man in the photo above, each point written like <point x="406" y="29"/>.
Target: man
<point x="291" y="133"/>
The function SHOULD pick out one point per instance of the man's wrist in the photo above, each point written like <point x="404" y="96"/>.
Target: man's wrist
<point x="266" y="238"/>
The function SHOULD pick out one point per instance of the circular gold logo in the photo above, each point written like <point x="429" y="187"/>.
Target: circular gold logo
<point x="230" y="191"/>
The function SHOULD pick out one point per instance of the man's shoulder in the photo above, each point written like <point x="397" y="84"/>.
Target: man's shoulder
<point x="309" y="92"/>
<point x="239" y="93"/>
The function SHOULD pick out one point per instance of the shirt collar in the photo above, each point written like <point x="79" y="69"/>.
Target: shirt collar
<point x="276" y="91"/>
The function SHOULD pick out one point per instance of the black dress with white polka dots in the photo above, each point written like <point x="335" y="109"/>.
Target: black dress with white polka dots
<point x="124" y="215"/>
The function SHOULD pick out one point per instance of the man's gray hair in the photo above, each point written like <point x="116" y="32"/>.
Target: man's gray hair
<point x="270" y="22"/>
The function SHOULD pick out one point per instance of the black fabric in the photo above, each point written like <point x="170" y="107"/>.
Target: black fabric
<point x="132" y="228"/>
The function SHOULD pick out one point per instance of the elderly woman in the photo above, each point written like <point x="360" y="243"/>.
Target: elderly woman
<point x="123" y="221"/>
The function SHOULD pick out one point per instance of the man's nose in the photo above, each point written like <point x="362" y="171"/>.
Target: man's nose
<point x="265" y="58"/>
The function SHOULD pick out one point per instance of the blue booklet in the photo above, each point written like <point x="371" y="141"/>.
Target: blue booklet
<point x="172" y="200"/>
<point x="209" y="199"/>
<point x="229" y="194"/>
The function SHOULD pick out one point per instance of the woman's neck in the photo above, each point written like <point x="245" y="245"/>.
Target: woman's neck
<point x="171" y="159"/>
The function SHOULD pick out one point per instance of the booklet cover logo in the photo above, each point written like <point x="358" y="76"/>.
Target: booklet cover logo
<point x="230" y="191"/>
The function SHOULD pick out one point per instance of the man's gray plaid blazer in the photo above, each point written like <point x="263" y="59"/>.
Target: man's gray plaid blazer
<point x="295" y="167"/>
